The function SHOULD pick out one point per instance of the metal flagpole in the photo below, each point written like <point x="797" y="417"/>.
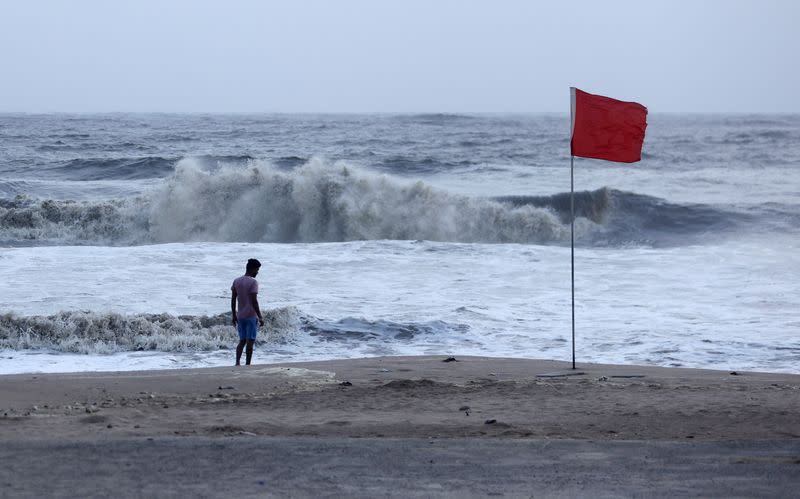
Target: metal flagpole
<point x="572" y="245"/>
<point x="572" y="212"/>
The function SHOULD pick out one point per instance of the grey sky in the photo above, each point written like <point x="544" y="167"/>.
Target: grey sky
<point x="404" y="55"/>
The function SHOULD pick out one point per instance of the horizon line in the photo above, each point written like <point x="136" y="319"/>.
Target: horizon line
<point x="333" y="113"/>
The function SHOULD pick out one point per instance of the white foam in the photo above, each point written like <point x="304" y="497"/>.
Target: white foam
<point x="325" y="202"/>
<point x="729" y="307"/>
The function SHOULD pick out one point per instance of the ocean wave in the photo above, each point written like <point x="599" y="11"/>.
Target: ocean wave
<point x="87" y="332"/>
<point x="134" y="168"/>
<point x="323" y="202"/>
<point x="289" y="162"/>
<point x="318" y="202"/>
<point x="104" y="333"/>
<point x="435" y="118"/>
<point x="117" y="222"/>
<point x="630" y="218"/>
<point x="360" y="329"/>
<point x="111" y="168"/>
<point x="407" y="165"/>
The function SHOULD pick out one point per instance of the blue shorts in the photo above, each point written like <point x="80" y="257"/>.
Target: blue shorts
<point x="248" y="328"/>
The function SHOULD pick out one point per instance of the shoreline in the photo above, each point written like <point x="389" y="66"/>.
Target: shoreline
<point x="405" y="397"/>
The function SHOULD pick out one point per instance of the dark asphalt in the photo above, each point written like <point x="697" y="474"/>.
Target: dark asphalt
<point x="360" y="467"/>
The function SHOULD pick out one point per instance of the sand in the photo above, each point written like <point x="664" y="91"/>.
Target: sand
<point x="407" y="397"/>
<point x="413" y="399"/>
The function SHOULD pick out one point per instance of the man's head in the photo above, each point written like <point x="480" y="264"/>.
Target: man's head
<point x="252" y="268"/>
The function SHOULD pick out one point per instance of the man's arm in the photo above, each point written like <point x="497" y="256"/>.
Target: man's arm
<point x="233" y="305"/>
<point x="254" y="301"/>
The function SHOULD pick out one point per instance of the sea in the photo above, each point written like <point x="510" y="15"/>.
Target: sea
<point x="396" y="234"/>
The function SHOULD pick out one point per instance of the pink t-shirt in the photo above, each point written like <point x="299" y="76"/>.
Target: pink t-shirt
<point x="244" y="286"/>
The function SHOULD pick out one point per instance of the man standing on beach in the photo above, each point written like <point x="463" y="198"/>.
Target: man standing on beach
<point x="244" y="291"/>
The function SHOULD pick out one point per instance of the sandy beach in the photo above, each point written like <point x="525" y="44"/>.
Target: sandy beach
<point x="407" y="397"/>
<point x="464" y="401"/>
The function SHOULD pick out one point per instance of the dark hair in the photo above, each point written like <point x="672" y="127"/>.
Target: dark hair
<point x="253" y="264"/>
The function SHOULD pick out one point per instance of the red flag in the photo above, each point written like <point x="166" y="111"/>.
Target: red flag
<point x="605" y="128"/>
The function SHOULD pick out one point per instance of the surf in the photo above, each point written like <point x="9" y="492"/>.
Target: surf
<point x="324" y="201"/>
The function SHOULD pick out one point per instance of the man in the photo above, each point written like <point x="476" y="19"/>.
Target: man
<point x="244" y="291"/>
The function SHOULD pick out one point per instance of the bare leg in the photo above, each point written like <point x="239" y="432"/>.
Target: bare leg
<point x="239" y="349"/>
<point x="250" y="344"/>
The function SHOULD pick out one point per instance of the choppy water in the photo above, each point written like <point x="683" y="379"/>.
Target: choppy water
<point x="395" y="234"/>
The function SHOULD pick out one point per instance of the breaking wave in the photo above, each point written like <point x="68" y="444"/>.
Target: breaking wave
<point x="50" y="221"/>
<point x="85" y="332"/>
<point x="629" y="218"/>
<point x="103" y="333"/>
<point x="260" y="203"/>
<point x="323" y="202"/>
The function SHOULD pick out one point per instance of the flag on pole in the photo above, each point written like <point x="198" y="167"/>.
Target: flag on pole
<point x="602" y="128"/>
<point x="605" y="128"/>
